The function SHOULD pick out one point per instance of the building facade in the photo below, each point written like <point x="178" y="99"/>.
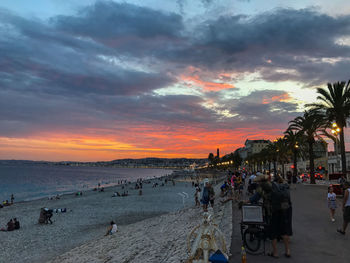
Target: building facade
<point x="255" y="146"/>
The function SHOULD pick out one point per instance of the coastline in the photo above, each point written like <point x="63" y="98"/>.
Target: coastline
<point x="87" y="219"/>
<point x="153" y="240"/>
<point x="34" y="182"/>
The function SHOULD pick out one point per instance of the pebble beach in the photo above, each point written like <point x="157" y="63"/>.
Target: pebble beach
<point x="152" y="227"/>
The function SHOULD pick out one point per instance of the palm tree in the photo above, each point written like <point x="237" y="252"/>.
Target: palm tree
<point x="282" y="152"/>
<point x="335" y="104"/>
<point x="293" y="141"/>
<point x="272" y="155"/>
<point x="310" y="125"/>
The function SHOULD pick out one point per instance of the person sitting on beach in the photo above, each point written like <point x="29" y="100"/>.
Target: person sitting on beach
<point x="102" y="189"/>
<point x="45" y="216"/>
<point x="10" y="226"/>
<point x="112" y="229"/>
<point x="116" y="194"/>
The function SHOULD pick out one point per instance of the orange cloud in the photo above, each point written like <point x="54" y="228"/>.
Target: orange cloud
<point x="284" y="97"/>
<point x="206" y="85"/>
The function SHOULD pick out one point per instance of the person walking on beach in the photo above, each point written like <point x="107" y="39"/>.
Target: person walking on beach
<point x="332" y="202"/>
<point x="12" y="198"/>
<point x="206" y="195"/>
<point x="197" y="195"/>
<point x="346" y="208"/>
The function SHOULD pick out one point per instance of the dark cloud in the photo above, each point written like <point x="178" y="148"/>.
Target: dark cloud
<point x="77" y="72"/>
<point x="264" y="108"/>
<point x="292" y="31"/>
<point x="109" y="20"/>
<point x="279" y="39"/>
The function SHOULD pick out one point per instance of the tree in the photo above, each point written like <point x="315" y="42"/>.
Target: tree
<point x="211" y="158"/>
<point x="283" y="152"/>
<point x="293" y="141"/>
<point x="271" y="151"/>
<point x="310" y="125"/>
<point x="237" y="160"/>
<point x="334" y="102"/>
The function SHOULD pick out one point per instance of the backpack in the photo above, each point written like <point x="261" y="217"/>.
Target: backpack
<point x="280" y="197"/>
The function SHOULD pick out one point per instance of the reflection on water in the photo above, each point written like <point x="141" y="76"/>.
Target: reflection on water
<point x="33" y="181"/>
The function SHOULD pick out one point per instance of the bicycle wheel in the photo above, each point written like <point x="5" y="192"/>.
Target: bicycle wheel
<point x="251" y="239"/>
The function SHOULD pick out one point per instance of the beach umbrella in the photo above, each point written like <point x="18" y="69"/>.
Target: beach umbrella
<point x="218" y="257"/>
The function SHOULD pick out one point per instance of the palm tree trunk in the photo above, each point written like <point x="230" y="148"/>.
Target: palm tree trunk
<point x="269" y="167"/>
<point x="312" y="163"/>
<point x="295" y="169"/>
<point x="342" y="151"/>
<point x="283" y="170"/>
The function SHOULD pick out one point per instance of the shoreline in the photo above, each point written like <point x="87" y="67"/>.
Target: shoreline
<point x="87" y="218"/>
<point x="87" y="189"/>
<point x="156" y="239"/>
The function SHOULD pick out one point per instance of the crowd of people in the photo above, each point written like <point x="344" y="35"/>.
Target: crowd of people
<point x="272" y="192"/>
<point x="277" y="208"/>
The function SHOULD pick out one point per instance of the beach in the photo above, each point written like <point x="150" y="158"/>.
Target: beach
<point x="157" y="221"/>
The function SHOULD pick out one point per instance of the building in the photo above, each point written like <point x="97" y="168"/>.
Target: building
<point x="334" y="162"/>
<point x="255" y="146"/>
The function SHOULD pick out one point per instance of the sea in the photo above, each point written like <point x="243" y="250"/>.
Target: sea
<point x="34" y="181"/>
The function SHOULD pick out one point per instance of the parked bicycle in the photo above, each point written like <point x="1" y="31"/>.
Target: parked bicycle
<point x="253" y="229"/>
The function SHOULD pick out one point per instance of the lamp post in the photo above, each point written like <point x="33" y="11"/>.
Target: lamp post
<point x="335" y="131"/>
<point x="295" y="164"/>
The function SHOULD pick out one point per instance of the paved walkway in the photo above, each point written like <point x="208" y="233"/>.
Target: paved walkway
<point x="315" y="238"/>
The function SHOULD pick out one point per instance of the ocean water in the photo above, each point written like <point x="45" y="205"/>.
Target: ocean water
<point x="33" y="181"/>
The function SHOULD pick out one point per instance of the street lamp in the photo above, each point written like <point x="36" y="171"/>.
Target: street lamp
<point x="335" y="131"/>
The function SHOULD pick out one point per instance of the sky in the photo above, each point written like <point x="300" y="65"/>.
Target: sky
<point x="103" y="80"/>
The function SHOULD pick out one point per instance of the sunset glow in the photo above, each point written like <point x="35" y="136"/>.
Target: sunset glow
<point x="102" y="80"/>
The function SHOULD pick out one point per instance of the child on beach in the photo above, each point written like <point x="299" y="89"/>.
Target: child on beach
<point x="332" y="202"/>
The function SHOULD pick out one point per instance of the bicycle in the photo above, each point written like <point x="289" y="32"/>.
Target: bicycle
<point x="253" y="229"/>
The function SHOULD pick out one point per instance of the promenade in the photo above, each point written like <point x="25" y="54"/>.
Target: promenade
<point x="314" y="235"/>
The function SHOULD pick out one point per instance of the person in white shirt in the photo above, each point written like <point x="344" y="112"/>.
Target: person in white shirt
<point x="332" y="202"/>
<point x="112" y="229"/>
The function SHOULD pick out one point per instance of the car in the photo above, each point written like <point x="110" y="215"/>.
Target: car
<point x="305" y="176"/>
<point x="335" y="176"/>
<point x="338" y="189"/>
<point x="319" y="176"/>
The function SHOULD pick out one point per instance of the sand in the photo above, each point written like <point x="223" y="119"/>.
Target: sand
<point x="152" y="227"/>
